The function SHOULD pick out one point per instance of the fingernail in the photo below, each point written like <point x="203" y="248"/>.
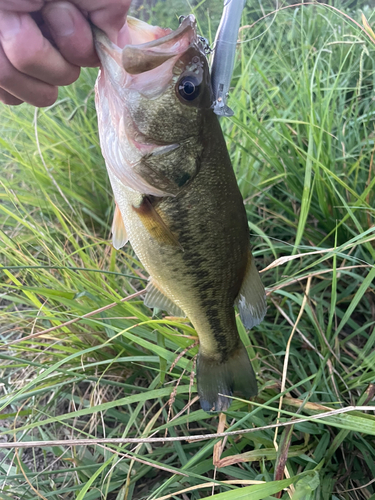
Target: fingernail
<point x="10" y="24"/>
<point x="60" y="20"/>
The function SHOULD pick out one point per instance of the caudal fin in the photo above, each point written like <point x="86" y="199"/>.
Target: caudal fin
<point x="217" y="380"/>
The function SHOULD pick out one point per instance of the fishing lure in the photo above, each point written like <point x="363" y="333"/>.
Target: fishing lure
<point x="224" y="54"/>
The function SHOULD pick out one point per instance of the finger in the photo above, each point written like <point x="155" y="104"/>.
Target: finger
<point x="71" y="33"/>
<point x="111" y="18"/>
<point x="24" y="87"/>
<point x="108" y="15"/>
<point x="31" y="53"/>
<point x="21" y="5"/>
<point x="9" y="99"/>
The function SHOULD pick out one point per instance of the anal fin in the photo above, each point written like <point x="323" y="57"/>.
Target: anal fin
<point x="156" y="298"/>
<point x="119" y="236"/>
<point x="251" y="300"/>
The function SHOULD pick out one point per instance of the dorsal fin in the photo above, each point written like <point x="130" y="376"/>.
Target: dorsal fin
<point x="119" y="236"/>
<point x="251" y="300"/>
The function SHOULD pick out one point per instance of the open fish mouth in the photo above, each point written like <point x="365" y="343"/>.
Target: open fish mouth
<point x="149" y="49"/>
<point x="147" y="56"/>
<point x="130" y="78"/>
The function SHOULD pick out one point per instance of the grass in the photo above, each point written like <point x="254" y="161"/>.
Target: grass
<point x="302" y="142"/>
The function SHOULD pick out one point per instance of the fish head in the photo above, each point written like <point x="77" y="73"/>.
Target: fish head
<point x="151" y="96"/>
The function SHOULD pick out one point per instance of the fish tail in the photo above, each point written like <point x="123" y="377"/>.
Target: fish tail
<point x="217" y="380"/>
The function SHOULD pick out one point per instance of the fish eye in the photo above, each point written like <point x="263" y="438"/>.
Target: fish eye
<point x="188" y="88"/>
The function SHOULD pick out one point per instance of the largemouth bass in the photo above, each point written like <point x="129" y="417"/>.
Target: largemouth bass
<point x="177" y="199"/>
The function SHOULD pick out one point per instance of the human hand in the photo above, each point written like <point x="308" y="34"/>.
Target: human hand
<point x="43" y="44"/>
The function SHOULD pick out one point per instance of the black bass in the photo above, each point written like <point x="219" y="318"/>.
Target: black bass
<point x="177" y="199"/>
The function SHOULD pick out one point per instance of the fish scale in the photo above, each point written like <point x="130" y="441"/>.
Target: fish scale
<point x="190" y="228"/>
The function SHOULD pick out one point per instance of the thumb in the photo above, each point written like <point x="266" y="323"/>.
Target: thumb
<point x="111" y="18"/>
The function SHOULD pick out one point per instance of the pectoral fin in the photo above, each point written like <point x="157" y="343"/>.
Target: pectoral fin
<point x="156" y="298"/>
<point x="251" y="300"/>
<point x="154" y="223"/>
<point x="119" y="236"/>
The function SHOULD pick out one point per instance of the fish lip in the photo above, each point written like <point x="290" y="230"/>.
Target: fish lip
<point x="103" y="43"/>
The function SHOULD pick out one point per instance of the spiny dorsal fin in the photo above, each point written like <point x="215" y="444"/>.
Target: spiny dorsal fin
<point x="119" y="236"/>
<point x="156" y="298"/>
<point x="251" y="300"/>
